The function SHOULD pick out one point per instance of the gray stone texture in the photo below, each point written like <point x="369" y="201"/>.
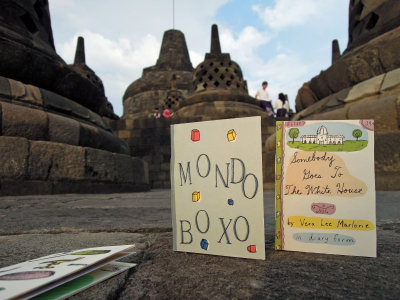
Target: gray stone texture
<point x="36" y="123"/>
<point x="27" y="54"/>
<point x="14" y="157"/>
<point x="149" y="139"/>
<point x="371" y="18"/>
<point x="39" y="167"/>
<point x="99" y="165"/>
<point x="335" y="51"/>
<point x="376" y="57"/>
<point x="173" y="70"/>
<point x="54" y="161"/>
<point x="387" y="160"/>
<point x="35" y="226"/>
<point x="22" y="121"/>
<point x="63" y="130"/>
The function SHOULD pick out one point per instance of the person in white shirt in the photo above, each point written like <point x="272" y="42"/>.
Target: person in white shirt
<point x="263" y="96"/>
<point x="282" y="106"/>
<point x="156" y="113"/>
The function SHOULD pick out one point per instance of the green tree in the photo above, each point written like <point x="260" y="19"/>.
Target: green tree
<point x="294" y="133"/>
<point x="357" y="133"/>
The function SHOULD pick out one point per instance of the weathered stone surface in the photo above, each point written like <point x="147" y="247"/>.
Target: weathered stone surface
<point x="100" y="165"/>
<point x="93" y="187"/>
<point x="14" y="153"/>
<point x="63" y="130"/>
<point x="387" y="152"/>
<point x="54" y="161"/>
<point x="374" y="58"/>
<point x="27" y="54"/>
<point x="335" y="51"/>
<point x="56" y="102"/>
<point x="387" y="160"/>
<point x="5" y="89"/>
<point x="55" y="110"/>
<point x="370" y="18"/>
<point x="94" y="137"/>
<point x="14" y="187"/>
<point x="269" y="166"/>
<point x="209" y="111"/>
<point x="383" y="111"/>
<point x="37" y="226"/>
<point x="305" y="97"/>
<point x="270" y="143"/>
<point x="316" y="108"/>
<point x="106" y="109"/>
<point x="174" y="54"/>
<point x="124" y="169"/>
<point x="25" y="92"/>
<point x="337" y="114"/>
<point x="126" y="134"/>
<point x="173" y="70"/>
<point x="391" y="80"/>
<point x="365" y="88"/>
<point x="60" y="104"/>
<point x="25" y="122"/>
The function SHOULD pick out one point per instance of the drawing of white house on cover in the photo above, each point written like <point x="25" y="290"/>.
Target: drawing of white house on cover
<point x="325" y="187"/>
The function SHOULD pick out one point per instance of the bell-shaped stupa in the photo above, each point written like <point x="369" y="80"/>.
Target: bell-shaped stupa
<point x="150" y="91"/>
<point x="218" y="89"/>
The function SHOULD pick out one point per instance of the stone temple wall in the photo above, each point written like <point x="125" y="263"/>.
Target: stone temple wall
<point x="49" y="144"/>
<point x="362" y="83"/>
<point x="53" y="138"/>
<point x="150" y="140"/>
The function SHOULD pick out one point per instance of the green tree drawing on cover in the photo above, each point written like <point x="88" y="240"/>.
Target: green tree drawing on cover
<point x="294" y="133"/>
<point x="357" y="133"/>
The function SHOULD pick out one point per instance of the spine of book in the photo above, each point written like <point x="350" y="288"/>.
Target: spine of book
<point x="278" y="182"/>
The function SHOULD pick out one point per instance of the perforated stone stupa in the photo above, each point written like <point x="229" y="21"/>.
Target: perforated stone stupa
<point x="215" y="90"/>
<point x="161" y="86"/>
<point x="218" y="89"/>
<point x="173" y="67"/>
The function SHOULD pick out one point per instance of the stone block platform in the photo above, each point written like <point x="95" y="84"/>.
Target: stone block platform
<point x="51" y="145"/>
<point x="34" y="226"/>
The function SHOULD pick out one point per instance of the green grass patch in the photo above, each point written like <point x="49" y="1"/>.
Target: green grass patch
<point x="348" y="146"/>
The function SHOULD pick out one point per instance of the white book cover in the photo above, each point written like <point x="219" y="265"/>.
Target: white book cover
<point x="217" y="188"/>
<point x="84" y="282"/>
<point x="325" y="187"/>
<point x="30" y="278"/>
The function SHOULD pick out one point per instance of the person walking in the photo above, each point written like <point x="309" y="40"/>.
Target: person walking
<point x="263" y="96"/>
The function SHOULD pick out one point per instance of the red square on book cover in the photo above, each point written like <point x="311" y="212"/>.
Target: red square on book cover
<point x="195" y="135"/>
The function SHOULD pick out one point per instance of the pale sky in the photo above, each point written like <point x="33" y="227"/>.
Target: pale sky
<point x="286" y="42"/>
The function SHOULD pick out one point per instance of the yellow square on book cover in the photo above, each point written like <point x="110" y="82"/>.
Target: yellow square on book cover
<point x="231" y="135"/>
<point x="195" y="196"/>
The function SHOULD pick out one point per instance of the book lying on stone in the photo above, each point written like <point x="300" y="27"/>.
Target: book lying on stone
<point x="84" y="282"/>
<point x="217" y="188"/>
<point x="36" y="276"/>
<point x="325" y="187"/>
